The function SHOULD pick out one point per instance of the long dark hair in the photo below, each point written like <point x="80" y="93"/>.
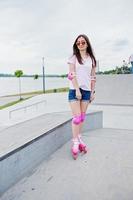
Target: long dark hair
<point x="89" y="50"/>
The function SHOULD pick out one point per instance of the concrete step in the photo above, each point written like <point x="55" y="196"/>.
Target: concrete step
<point x="104" y="173"/>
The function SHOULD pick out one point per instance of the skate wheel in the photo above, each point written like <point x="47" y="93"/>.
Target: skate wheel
<point x="80" y="148"/>
<point x="83" y="149"/>
<point x="74" y="157"/>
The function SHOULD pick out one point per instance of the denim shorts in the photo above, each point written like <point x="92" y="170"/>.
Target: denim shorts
<point x="85" y="95"/>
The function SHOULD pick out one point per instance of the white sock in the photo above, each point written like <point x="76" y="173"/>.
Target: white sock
<point x="80" y="139"/>
<point x="75" y="142"/>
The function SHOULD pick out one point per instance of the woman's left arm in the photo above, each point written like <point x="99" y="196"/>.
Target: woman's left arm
<point x="93" y="81"/>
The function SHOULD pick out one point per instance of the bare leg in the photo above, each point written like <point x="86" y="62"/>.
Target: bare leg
<point x="82" y="145"/>
<point x="83" y="106"/>
<point x="76" y="111"/>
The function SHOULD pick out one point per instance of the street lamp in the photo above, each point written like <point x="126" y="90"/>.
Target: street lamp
<point x="43" y="75"/>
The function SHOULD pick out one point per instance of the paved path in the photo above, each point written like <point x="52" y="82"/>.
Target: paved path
<point x="104" y="173"/>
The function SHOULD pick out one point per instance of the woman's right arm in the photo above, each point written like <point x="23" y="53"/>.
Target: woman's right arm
<point x="74" y="80"/>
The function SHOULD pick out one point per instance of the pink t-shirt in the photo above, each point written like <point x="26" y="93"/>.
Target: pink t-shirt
<point x="83" y="72"/>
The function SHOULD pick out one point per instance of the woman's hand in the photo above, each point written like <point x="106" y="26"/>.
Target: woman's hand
<point x="78" y="94"/>
<point x="92" y="97"/>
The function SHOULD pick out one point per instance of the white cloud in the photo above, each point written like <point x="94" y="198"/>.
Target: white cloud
<point x="32" y="29"/>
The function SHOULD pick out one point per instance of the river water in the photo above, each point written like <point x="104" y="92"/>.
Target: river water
<point x="10" y="85"/>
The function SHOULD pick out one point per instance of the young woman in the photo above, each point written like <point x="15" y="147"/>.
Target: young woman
<point x="82" y="79"/>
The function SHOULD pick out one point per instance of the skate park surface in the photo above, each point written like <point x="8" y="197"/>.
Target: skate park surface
<point x="104" y="173"/>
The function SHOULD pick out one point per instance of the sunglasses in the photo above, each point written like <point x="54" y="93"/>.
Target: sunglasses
<point x="82" y="43"/>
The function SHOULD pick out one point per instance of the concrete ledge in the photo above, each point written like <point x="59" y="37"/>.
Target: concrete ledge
<point x="20" y="155"/>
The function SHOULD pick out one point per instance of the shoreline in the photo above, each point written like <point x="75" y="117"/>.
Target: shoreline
<point x="65" y="89"/>
<point x="11" y="100"/>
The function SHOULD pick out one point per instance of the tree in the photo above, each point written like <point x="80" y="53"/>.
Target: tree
<point x="18" y="74"/>
<point x="63" y="75"/>
<point x="36" y="76"/>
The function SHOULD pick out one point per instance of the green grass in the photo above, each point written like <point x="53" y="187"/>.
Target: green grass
<point x="12" y="103"/>
<point x="41" y="92"/>
<point x="31" y="94"/>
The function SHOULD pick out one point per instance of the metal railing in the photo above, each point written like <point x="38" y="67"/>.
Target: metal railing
<point x="25" y="108"/>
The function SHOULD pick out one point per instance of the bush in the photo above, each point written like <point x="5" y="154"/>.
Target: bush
<point x="54" y="90"/>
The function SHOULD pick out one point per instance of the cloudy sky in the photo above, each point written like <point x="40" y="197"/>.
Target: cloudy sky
<point x="32" y="29"/>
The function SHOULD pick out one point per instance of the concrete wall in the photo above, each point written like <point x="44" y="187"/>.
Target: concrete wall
<point x="114" y="89"/>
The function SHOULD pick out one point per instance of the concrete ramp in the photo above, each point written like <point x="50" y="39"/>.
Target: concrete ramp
<point x="114" y="89"/>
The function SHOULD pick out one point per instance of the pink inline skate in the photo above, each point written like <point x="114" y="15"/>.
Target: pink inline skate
<point x="75" y="148"/>
<point x="82" y="145"/>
